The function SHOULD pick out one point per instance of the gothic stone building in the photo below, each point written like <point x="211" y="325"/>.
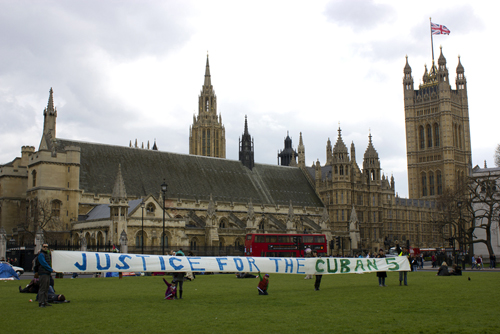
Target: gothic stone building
<point x="438" y="140"/>
<point x="362" y="204"/>
<point x="95" y="190"/>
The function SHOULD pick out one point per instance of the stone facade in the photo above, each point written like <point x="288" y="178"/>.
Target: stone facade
<point x="96" y="190"/>
<point x="438" y="140"/>
<point x="362" y="204"/>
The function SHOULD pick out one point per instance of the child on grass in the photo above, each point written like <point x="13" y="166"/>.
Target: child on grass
<point x="170" y="292"/>
<point x="263" y="284"/>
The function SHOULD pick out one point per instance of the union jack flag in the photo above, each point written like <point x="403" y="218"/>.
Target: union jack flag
<point x="438" y="29"/>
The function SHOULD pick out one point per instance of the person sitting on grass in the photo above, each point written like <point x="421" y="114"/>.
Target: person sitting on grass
<point x="56" y="299"/>
<point x="245" y="275"/>
<point x="263" y="284"/>
<point x="456" y="271"/>
<point x="443" y="270"/>
<point x="170" y="292"/>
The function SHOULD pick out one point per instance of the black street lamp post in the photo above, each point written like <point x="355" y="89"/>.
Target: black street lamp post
<point x="461" y="246"/>
<point x="142" y="228"/>
<point x="164" y="191"/>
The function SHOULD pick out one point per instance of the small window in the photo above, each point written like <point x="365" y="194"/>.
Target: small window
<point x="56" y="208"/>
<point x="150" y="208"/>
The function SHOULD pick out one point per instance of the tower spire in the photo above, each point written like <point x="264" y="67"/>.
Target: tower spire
<point x="49" y="123"/>
<point x="208" y="81"/>
<point x="247" y="148"/>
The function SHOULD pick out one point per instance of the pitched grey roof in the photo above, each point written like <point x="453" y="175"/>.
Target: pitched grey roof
<point x="102" y="211"/>
<point x="189" y="176"/>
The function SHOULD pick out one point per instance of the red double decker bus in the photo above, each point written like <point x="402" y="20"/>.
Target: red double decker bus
<point x="284" y="245"/>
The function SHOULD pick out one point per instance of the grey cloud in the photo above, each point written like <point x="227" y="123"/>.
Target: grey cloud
<point x="59" y="44"/>
<point x="357" y="14"/>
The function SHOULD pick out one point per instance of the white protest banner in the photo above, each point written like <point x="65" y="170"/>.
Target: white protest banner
<point x="67" y="261"/>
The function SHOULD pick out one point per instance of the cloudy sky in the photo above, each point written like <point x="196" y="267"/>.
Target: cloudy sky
<point x="126" y="70"/>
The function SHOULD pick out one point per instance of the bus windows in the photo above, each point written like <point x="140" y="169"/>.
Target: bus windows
<point x="319" y="238"/>
<point x="260" y="238"/>
<point x="271" y="238"/>
<point x="307" y="239"/>
<point x="283" y="238"/>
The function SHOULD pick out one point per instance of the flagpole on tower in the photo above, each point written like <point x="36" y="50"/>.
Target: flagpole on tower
<point x="432" y="42"/>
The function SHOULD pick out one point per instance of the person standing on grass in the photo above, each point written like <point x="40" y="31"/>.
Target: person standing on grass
<point x="318" y="277"/>
<point x="404" y="274"/>
<point x="263" y="284"/>
<point x="179" y="278"/>
<point x="381" y="274"/>
<point x="44" y="271"/>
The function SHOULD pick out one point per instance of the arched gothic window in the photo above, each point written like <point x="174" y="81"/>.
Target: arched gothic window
<point x="439" y="183"/>
<point x="422" y="137"/>
<point x="33" y="174"/>
<point x="429" y="136"/>
<point x="424" y="184"/>
<point x="436" y="135"/>
<point x="431" y="184"/>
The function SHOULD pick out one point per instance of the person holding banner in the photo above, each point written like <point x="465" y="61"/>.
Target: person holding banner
<point x="318" y="277"/>
<point x="263" y="284"/>
<point x="404" y="274"/>
<point x="178" y="278"/>
<point x="381" y="274"/>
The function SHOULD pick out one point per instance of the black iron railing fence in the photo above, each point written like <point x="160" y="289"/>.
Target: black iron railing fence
<point x="25" y="253"/>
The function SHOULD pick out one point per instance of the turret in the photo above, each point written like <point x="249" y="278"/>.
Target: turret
<point x="302" y="152"/>
<point x="407" y="78"/>
<point x="442" y="70"/>
<point x="461" y="82"/>
<point x="49" y="124"/>
<point x="371" y="163"/>
<point x="246" y="148"/>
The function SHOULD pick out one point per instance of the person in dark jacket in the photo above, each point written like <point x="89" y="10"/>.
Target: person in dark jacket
<point x="318" y="277"/>
<point x="44" y="271"/>
<point x="178" y="278"/>
<point x="381" y="274"/>
<point x="443" y="270"/>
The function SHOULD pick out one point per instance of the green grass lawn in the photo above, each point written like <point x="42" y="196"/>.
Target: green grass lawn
<point x="349" y="303"/>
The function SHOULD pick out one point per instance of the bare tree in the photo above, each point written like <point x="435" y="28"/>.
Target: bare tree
<point x="41" y="215"/>
<point x="484" y="205"/>
<point x="448" y="217"/>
